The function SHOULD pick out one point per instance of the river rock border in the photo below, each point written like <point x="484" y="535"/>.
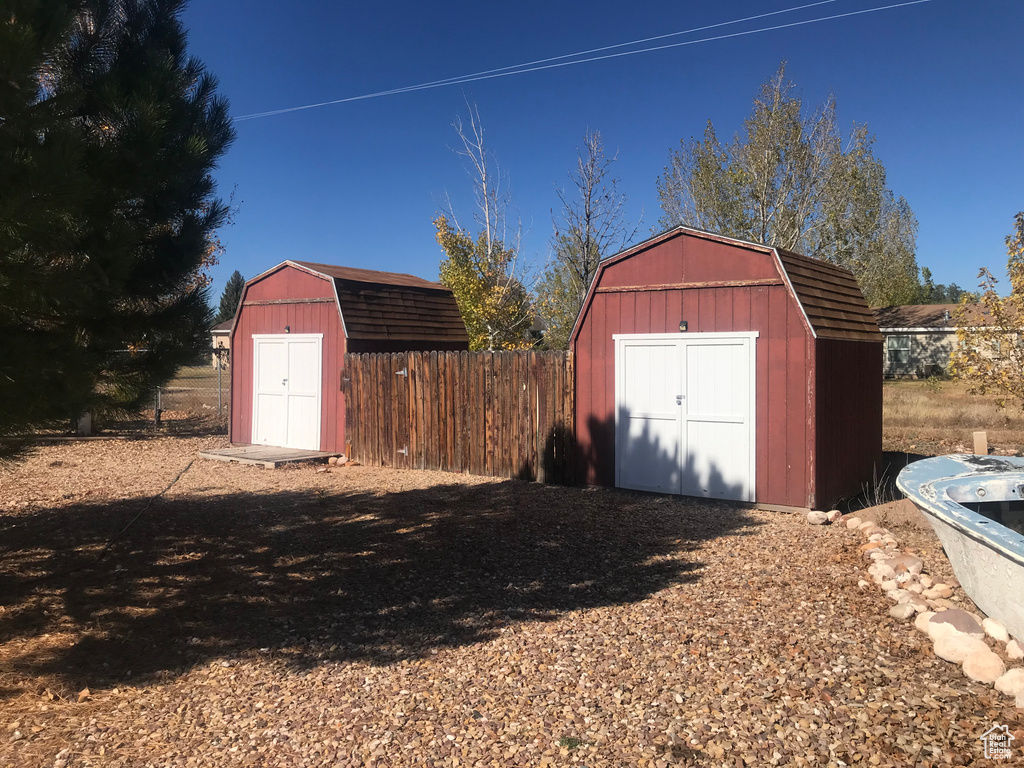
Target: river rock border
<point x="981" y="646"/>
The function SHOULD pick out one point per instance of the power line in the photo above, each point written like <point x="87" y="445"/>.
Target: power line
<point x="540" y="64"/>
<point x="520" y="67"/>
<point x="461" y="78"/>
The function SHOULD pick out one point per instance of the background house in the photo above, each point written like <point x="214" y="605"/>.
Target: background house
<point x="919" y="338"/>
<point x="220" y="338"/>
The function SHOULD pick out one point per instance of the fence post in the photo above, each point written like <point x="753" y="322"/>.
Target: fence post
<point x="157" y="408"/>
<point x="220" y="386"/>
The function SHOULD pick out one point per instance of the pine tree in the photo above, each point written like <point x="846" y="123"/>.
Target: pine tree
<point x="108" y="136"/>
<point x="230" y="298"/>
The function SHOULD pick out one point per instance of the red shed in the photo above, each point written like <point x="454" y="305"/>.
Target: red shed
<point x="707" y="366"/>
<point x="292" y="327"/>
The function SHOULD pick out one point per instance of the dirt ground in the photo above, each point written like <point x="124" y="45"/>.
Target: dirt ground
<point x="356" y="616"/>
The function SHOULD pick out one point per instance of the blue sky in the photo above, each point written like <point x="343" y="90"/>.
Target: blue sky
<point x="939" y="84"/>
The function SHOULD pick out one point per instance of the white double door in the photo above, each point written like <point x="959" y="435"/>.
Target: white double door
<point x="684" y="413"/>
<point x="286" y="390"/>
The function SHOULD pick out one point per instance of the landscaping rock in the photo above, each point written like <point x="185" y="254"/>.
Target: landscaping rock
<point x="901" y="611"/>
<point x="1012" y="683"/>
<point x="866" y="524"/>
<point x="920" y="606"/>
<point x="995" y="630"/>
<point x="956" y="648"/>
<point x="889" y="585"/>
<point x="834" y="516"/>
<point x="853" y="522"/>
<point x="955" y="620"/>
<point x="984" y="666"/>
<point x="1014" y="650"/>
<point x="909" y="563"/>
<point x="816" y="517"/>
<point x="883" y="570"/>
<point x="926" y="580"/>
<point x="914" y="587"/>
<point x="921" y="622"/>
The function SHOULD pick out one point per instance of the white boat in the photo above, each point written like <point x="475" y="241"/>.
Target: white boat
<point x="976" y="506"/>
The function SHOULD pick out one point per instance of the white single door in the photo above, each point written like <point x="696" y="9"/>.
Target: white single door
<point x="286" y="390"/>
<point x="703" y="386"/>
<point x="648" y="419"/>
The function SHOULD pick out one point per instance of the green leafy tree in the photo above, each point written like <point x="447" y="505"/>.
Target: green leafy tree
<point x="231" y="297"/>
<point x="482" y="270"/>
<point x="938" y="293"/>
<point x="590" y="225"/>
<point x="790" y="180"/>
<point x="108" y="136"/>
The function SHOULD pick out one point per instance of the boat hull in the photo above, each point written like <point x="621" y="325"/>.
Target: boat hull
<point x="988" y="557"/>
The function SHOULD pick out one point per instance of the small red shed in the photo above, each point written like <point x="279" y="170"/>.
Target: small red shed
<point x="296" y="321"/>
<point x="708" y="366"/>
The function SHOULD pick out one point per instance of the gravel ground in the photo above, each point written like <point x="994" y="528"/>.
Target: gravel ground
<point x="367" y="617"/>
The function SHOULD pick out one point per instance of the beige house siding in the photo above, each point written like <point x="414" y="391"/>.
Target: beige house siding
<point x="220" y="338"/>
<point x="917" y="352"/>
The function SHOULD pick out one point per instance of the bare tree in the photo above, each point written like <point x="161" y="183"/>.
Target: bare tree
<point x="483" y="271"/>
<point x="590" y="226"/>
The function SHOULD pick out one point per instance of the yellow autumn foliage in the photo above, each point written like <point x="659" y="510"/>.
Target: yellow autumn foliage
<point x="989" y="355"/>
<point x="493" y="303"/>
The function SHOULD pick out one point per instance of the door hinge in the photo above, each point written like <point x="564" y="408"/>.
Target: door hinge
<point x="403" y="372"/>
<point x="403" y="451"/>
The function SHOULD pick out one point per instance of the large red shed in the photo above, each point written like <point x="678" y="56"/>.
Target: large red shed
<point x="293" y="325"/>
<point x="707" y="366"/>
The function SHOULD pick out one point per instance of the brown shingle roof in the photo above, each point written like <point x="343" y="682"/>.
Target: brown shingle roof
<point x="916" y="316"/>
<point x="353" y="274"/>
<point x="831" y="298"/>
<point x="390" y="306"/>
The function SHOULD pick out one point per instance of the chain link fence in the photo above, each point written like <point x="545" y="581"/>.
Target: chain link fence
<point x="198" y="398"/>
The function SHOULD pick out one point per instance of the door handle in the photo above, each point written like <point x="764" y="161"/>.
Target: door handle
<point x="679" y="399"/>
<point x="284" y="382"/>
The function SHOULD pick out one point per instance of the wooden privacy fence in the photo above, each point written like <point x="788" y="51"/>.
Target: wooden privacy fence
<point x="503" y="414"/>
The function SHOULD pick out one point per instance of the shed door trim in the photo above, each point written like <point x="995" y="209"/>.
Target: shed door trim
<point x="681" y="343"/>
<point x="289" y="338"/>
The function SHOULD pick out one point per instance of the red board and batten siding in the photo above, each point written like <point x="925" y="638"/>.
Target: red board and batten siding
<point x="849" y="416"/>
<point x="283" y="298"/>
<point x="632" y="297"/>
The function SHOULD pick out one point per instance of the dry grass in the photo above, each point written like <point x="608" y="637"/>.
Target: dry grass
<point x="936" y="416"/>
